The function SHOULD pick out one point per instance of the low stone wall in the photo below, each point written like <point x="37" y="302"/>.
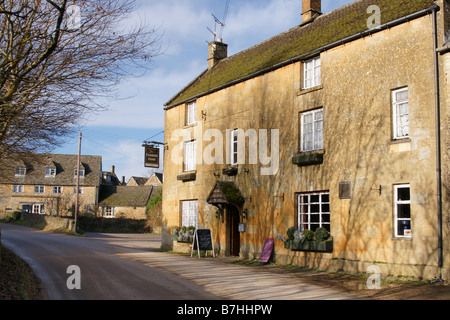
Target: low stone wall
<point x="48" y="223"/>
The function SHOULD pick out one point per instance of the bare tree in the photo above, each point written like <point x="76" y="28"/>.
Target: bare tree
<point x="57" y="57"/>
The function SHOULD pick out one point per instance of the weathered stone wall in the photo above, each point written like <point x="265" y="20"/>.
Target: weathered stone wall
<point x="130" y="212"/>
<point x="49" y="223"/>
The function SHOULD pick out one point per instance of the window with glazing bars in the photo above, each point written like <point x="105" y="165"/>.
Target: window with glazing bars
<point x="314" y="211"/>
<point x="312" y="130"/>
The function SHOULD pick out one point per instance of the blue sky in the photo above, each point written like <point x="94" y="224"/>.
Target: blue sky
<point x="117" y="133"/>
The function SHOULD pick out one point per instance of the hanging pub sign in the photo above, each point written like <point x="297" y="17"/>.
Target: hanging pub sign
<point x="151" y="156"/>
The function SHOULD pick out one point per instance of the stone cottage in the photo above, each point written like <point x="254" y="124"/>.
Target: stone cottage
<point x="47" y="184"/>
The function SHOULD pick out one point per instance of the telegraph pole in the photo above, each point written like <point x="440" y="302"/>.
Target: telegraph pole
<point x="77" y="192"/>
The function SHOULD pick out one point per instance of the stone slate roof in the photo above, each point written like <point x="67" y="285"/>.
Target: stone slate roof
<point x="140" y="181"/>
<point x="295" y="44"/>
<point x="125" y="196"/>
<point x="160" y="176"/>
<point x="64" y="165"/>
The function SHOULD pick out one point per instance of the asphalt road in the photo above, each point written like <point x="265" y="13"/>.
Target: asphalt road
<point x="126" y="267"/>
<point x="104" y="274"/>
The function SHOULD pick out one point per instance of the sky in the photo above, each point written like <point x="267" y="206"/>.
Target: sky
<point x="117" y="134"/>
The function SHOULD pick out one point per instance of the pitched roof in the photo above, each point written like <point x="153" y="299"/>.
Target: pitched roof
<point x="125" y="196"/>
<point x="140" y="181"/>
<point x="64" y="165"/>
<point x="296" y="44"/>
<point x="225" y="192"/>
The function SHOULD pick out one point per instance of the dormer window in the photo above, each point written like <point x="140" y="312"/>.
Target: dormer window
<point x="50" y="172"/>
<point x="20" y="171"/>
<point x="81" y="172"/>
<point x="311" y="73"/>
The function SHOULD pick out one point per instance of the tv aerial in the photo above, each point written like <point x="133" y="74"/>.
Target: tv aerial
<point x="219" y="23"/>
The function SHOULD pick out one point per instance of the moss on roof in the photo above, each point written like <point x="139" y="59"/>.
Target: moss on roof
<point x="125" y="196"/>
<point x="334" y="26"/>
<point x="227" y="193"/>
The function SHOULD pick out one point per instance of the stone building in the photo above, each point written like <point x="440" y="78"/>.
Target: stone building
<point x="127" y="202"/>
<point x="47" y="185"/>
<point x="340" y="123"/>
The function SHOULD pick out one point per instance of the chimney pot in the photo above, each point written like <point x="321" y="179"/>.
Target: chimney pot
<point x="311" y="10"/>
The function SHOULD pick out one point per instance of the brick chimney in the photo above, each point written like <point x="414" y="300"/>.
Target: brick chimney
<point x="311" y="10"/>
<point x="217" y="50"/>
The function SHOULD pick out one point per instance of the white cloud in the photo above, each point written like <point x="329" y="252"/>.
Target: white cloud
<point x="142" y="99"/>
<point x="183" y="25"/>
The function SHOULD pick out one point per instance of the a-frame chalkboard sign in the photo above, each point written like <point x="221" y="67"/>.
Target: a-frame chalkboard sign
<point x="202" y="241"/>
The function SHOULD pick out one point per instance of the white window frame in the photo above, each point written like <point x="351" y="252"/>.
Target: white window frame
<point x="305" y="211"/>
<point x="312" y="73"/>
<point x="189" y="213"/>
<point x="57" y="190"/>
<point x="234" y="145"/>
<point x="191" y="113"/>
<point x="18" y="188"/>
<point x="81" y="172"/>
<point x="397" y="116"/>
<point x="316" y="130"/>
<point x="50" y="172"/>
<point x="20" y="171"/>
<point x="39" y="189"/>
<point x="398" y="202"/>
<point x="38" y="208"/>
<point x="189" y="156"/>
<point x="109" y="212"/>
<point x="80" y="189"/>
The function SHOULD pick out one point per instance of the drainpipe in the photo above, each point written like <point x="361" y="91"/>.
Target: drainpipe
<point x="438" y="149"/>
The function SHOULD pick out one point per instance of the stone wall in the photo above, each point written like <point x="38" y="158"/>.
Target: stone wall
<point x="49" y="223"/>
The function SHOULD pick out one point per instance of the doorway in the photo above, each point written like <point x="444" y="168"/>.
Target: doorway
<point x="233" y="234"/>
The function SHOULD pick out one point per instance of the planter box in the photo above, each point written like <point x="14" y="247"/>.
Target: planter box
<point x="317" y="246"/>
<point x="308" y="159"/>
<point x="182" y="247"/>
<point x="187" y="177"/>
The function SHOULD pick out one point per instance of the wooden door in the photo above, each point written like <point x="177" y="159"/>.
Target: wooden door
<point x="234" y="234"/>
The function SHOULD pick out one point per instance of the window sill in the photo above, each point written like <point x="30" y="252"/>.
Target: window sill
<point x="308" y="158"/>
<point x="400" y="140"/>
<point x="309" y="90"/>
<point x="191" y="125"/>
<point x="402" y="238"/>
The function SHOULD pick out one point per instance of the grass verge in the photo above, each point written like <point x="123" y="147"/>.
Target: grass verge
<point x="17" y="279"/>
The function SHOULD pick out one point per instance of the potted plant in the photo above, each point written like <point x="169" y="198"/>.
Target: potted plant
<point x="182" y="237"/>
<point x="307" y="240"/>
<point x="183" y="234"/>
